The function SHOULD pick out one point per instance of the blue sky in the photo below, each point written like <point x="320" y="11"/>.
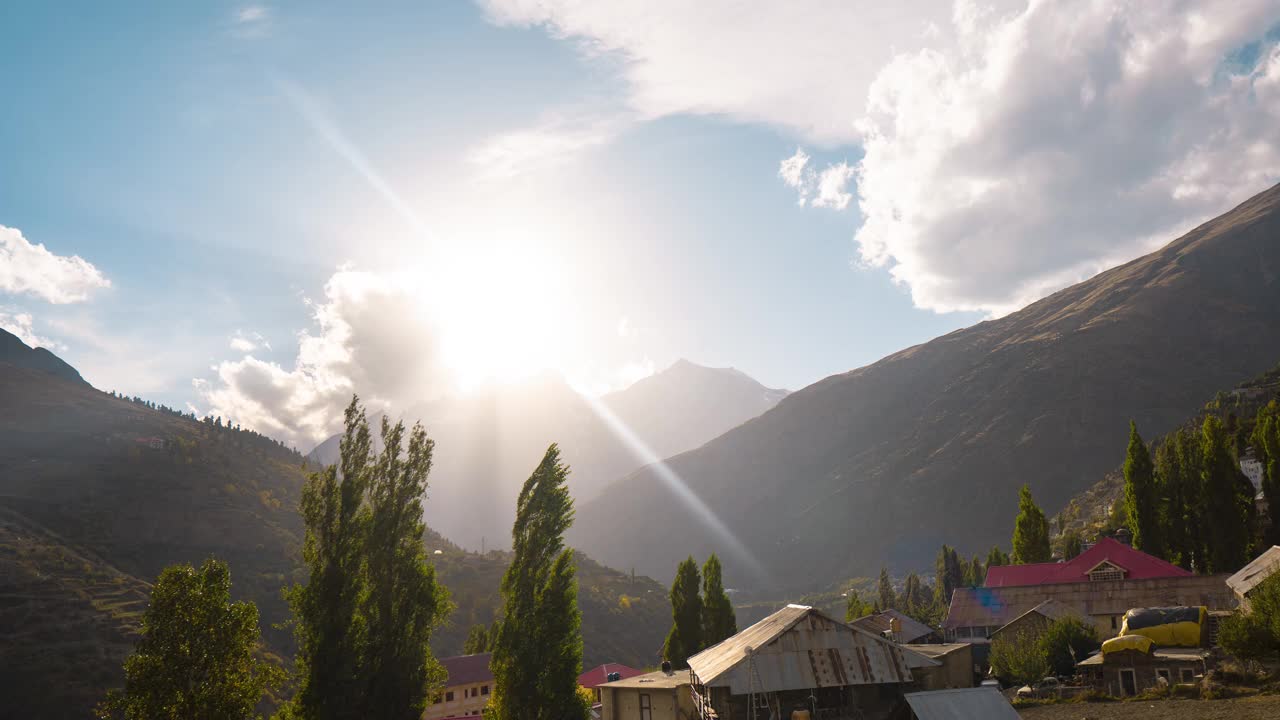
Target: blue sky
<point x="260" y="171"/>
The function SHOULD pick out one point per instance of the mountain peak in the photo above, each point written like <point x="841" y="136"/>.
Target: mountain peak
<point x="15" y="352"/>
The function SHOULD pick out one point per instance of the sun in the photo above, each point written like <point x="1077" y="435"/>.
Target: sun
<point x="505" y="312"/>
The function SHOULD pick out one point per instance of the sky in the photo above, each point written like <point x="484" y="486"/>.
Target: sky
<point x="254" y="210"/>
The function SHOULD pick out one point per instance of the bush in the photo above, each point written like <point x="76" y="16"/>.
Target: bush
<point x="1018" y="659"/>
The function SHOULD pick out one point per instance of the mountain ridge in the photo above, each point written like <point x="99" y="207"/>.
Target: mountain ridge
<point x="871" y="465"/>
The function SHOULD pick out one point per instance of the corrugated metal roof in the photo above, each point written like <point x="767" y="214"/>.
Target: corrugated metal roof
<point x="1136" y="564"/>
<point x="796" y="648"/>
<point x="1255" y="572"/>
<point x="981" y="703"/>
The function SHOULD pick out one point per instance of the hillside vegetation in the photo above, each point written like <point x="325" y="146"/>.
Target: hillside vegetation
<point x="90" y="512"/>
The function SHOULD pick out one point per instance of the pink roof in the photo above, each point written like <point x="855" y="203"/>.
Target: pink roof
<point x="598" y="675"/>
<point x="467" y="669"/>
<point x="1136" y="564"/>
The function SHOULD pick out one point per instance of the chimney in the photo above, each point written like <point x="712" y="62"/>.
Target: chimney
<point x="666" y="667"/>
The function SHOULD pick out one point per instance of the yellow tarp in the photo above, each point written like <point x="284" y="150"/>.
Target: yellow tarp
<point x="1174" y="634"/>
<point x="1140" y="643"/>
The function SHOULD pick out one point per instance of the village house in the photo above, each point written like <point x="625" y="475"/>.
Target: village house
<point x="798" y="658"/>
<point x="1038" y="619"/>
<point x="1100" y="584"/>
<point x="1131" y="672"/>
<point x="898" y="627"/>
<point x="466" y="690"/>
<point x="660" y="695"/>
<point x="1247" y="579"/>
<point x="950" y="665"/>
<point x="595" y="677"/>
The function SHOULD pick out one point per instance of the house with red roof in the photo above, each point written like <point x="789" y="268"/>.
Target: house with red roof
<point x="466" y="689"/>
<point x="1100" y="584"/>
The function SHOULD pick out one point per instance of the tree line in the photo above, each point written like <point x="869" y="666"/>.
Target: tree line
<point x="701" y="612"/>
<point x="1191" y="504"/>
<point x="364" y="617"/>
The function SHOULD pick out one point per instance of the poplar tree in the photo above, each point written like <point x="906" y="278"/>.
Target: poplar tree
<point x="1228" y="501"/>
<point x="477" y="640"/>
<point x="537" y="643"/>
<point x="1266" y="446"/>
<point x="997" y="557"/>
<point x="949" y="574"/>
<point x="977" y="572"/>
<point x="197" y="658"/>
<point x="1030" y="531"/>
<point x="1072" y="544"/>
<point x="1141" y="501"/>
<point x="685" y="638"/>
<point x="884" y="591"/>
<point x="718" y="621"/>
<point x="855" y="607"/>
<point x="365" y="616"/>
<point x="1173" y="488"/>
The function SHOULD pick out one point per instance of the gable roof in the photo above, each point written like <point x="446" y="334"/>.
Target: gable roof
<point x="467" y="669"/>
<point x="821" y="652"/>
<point x="981" y="607"/>
<point x="912" y="629"/>
<point x="1049" y="609"/>
<point x="1255" y="572"/>
<point x="599" y="674"/>
<point x="1136" y="564"/>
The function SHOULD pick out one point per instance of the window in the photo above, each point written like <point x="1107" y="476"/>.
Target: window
<point x="1113" y="623"/>
<point x="1188" y="675"/>
<point x="646" y="710"/>
<point x="1128" y="683"/>
<point x="484" y="689"/>
<point x="1164" y="673"/>
<point x="448" y="696"/>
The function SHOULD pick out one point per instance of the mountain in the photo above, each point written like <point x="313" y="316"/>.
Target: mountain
<point x="884" y="463"/>
<point x="15" y="352"/>
<point x="488" y="442"/>
<point x="99" y="493"/>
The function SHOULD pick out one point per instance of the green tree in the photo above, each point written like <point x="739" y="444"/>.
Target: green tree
<point x="196" y="659"/>
<point x="718" y="621"/>
<point x="1255" y="635"/>
<point x="885" y="597"/>
<point x="477" y="640"/>
<point x="1142" y="507"/>
<point x="855" y="607"/>
<point x="1030" y="531"/>
<point x="997" y="557"/>
<point x="918" y="601"/>
<point x="1173" y="487"/>
<point x="1266" y="445"/>
<point x="949" y="574"/>
<point x="1067" y="641"/>
<point x="1072" y="544"/>
<point x="1017" y="658"/>
<point x="977" y="572"/>
<point x="365" y="616"/>
<point x="685" y="638"/>
<point x="537" y="650"/>
<point x="1228" y="501"/>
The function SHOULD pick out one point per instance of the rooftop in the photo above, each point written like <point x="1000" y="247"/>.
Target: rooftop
<point x="961" y="704"/>
<point x="1255" y="572"/>
<point x="935" y="650"/>
<point x="1136" y="565"/>
<point x="599" y="674"/>
<point x="467" y="669"/>
<point x="912" y="629"/>
<point x="1051" y="609"/>
<point x="1172" y="654"/>
<point x="655" y="679"/>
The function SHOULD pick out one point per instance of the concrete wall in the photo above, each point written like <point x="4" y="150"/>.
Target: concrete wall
<point x="463" y="702"/>
<point x="665" y="703"/>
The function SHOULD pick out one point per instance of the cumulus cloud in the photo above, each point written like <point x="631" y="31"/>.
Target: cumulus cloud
<point x="34" y="270"/>
<point x="21" y="325"/>
<point x="1051" y="143"/>
<point x="370" y="335"/>
<point x="1011" y="147"/>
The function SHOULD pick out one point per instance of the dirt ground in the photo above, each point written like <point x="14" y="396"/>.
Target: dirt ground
<point x="1258" y="707"/>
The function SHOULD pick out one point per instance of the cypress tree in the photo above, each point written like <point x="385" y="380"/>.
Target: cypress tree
<point x="1141" y="506"/>
<point x="1030" y="531"/>
<point x="537" y="643"/>
<point x="685" y="638"/>
<point x="718" y="621"/>
<point x="1227" y="502"/>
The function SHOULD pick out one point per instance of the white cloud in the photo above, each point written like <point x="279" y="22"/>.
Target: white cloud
<point x="548" y="144"/>
<point x="21" y="324"/>
<point x="251" y="21"/>
<point x="33" y="270"/>
<point x="804" y="65"/>
<point x="240" y="342"/>
<point x="1011" y="147"/>
<point x="251" y="14"/>
<point x="371" y="335"/>
<point x="1052" y="143"/>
